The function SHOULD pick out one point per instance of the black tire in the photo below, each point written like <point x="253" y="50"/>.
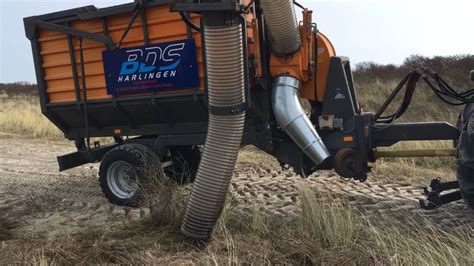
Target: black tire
<point x="184" y="164"/>
<point x="133" y="164"/>
<point x="466" y="181"/>
<point x="465" y="171"/>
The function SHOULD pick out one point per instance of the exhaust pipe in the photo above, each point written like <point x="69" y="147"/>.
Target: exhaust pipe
<point x="290" y="116"/>
<point x="225" y="79"/>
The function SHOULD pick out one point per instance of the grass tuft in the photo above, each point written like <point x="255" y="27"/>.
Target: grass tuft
<point x="418" y="243"/>
<point x="327" y="220"/>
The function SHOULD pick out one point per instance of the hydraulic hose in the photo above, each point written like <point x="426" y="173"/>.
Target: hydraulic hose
<point x="225" y="78"/>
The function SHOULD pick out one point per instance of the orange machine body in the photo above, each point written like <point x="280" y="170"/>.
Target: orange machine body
<point x="310" y="64"/>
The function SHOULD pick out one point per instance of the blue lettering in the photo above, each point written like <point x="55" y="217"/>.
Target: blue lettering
<point x="129" y="68"/>
<point x="146" y="69"/>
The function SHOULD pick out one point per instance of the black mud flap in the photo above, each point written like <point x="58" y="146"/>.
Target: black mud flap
<point x="465" y="172"/>
<point x="79" y="158"/>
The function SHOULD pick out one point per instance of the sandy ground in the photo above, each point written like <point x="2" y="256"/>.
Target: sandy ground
<point x="46" y="204"/>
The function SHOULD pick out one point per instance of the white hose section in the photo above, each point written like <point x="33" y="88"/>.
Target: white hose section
<point x="225" y="73"/>
<point x="283" y="26"/>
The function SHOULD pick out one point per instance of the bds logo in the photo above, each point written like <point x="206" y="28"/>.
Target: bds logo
<point x="156" y="67"/>
<point x="152" y="59"/>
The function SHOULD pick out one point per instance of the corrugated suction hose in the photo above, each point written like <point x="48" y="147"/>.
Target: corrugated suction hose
<point x="225" y="74"/>
<point x="282" y="25"/>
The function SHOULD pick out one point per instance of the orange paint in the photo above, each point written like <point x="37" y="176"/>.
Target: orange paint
<point x="325" y="52"/>
<point x="309" y="63"/>
<point x="348" y="139"/>
<point x="162" y="25"/>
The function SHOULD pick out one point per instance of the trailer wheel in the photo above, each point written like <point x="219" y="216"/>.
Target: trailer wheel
<point x="123" y="173"/>
<point x="465" y="171"/>
<point x="184" y="164"/>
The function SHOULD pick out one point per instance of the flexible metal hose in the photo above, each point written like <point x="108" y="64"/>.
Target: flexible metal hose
<point x="283" y="26"/>
<point x="225" y="74"/>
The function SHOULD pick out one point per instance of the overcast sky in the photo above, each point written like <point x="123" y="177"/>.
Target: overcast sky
<point x="382" y="31"/>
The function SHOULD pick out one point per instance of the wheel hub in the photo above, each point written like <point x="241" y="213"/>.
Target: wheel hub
<point x="122" y="179"/>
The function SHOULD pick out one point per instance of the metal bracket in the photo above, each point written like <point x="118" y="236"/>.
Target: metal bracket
<point x="77" y="33"/>
<point x="330" y="122"/>
<point x="228" y="110"/>
<point x="386" y="136"/>
<point x="229" y="5"/>
<point x="435" y="199"/>
<point x="340" y="99"/>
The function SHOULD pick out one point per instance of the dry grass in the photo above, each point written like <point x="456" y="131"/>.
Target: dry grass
<point x="164" y="197"/>
<point x="415" y="170"/>
<point x="5" y="229"/>
<point x="22" y="115"/>
<point x="422" y="245"/>
<point x="328" y="231"/>
<point x="327" y="221"/>
<point x="425" y="107"/>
